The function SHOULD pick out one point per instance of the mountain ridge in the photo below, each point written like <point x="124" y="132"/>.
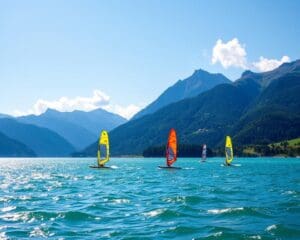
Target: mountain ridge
<point x="44" y="142"/>
<point x="80" y="128"/>
<point x="191" y="86"/>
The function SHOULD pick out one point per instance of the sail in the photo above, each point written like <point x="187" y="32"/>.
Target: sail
<point x="103" y="149"/>
<point x="228" y="150"/>
<point x="204" y="152"/>
<point x="171" y="150"/>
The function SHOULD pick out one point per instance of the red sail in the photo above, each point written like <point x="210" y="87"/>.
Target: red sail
<point x="171" y="150"/>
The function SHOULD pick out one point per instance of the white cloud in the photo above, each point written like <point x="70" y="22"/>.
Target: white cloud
<point x="265" y="64"/>
<point x="64" y="104"/>
<point x="230" y="54"/>
<point x="233" y="54"/>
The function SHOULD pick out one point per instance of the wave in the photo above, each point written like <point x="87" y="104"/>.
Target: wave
<point x="43" y="176"/>
<point x="8" y="209"/>
<point x="120" y="201"/>
<point x="89" y="177"/>
<point x="184" y="199"/>
<point x="77" y="216"/>
<point x="224" y="210"/>
<point x="39" y="232"/>
<point x="271" y="227"/>
<point x="182" y="230"/>
<point x="15" y="217"/>
<point x="290" y="192"/>
<point x="177" y="199"/>
<point x="3" y="236"/>
<point x="255" y="237"/>
<point x="218" y="234"/>
<point x="154" y="213"/>
<point x="45" y="216"/>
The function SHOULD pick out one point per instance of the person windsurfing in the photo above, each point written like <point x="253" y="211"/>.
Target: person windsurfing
<point x="228" y="151"/>
<point x="204" y="153"/>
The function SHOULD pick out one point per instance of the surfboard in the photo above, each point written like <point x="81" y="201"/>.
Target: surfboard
<point x="231" y="165"/>
<point x="225" y="165"/>
<point x="104" y="167"/>
<point x="171" y="168"/>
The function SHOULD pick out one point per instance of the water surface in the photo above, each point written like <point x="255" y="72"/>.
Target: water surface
<point x="65" y="199"/>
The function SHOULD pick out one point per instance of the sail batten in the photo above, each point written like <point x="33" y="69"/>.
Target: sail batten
<point x="103" y="149"/>
<point x="228" y="150"/>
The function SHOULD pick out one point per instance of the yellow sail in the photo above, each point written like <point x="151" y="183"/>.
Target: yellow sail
<point x="103" y="149"/>
<point x="228" y="150"/>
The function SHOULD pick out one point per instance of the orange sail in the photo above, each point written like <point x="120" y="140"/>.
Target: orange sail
<point x="171" y="150"/>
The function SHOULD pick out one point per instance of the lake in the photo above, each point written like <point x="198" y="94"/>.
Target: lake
<point x="65" y="199"/>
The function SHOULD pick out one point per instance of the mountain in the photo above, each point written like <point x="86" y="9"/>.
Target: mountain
<point x="4" y="115"/>
<point x="259" y="107"/>
<point x="44" y="142"/>
<point x="12" y="148"/>
<point x="94" y="121"/>
<point x="266" y="78"/>
<point x="275" y="114"/>
<point x="78" y="127"/>
<point x="192" y="86"/>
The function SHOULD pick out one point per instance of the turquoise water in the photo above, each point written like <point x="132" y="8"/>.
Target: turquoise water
<point x="65" y="199"/>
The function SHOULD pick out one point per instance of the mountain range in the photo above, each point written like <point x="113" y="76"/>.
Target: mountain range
<point x="53" y="133"/>
<point x="78" y="127"/>
<point x="44" y="142"/>
<point x="257" y="108"/>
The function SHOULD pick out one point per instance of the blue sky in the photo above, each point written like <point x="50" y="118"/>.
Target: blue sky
<point x="122" y="54"/>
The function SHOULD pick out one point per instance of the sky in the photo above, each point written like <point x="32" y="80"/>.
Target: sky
<point x="121" y="55"/>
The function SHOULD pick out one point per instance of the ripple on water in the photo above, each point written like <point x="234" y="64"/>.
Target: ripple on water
<point x="241" y="211"/>
<point x="284" y="231"/>
<point x="39" y="232"/>
<point x="15" y="217"/>
<point x="3" y="236"/>
<point x="120" y="201"/>
<point x="271" y="228"/>
<point x="8" y="208"/>
<point x="51" y="198"/>
<point x="255" y="237"/>
<point x="75" y="216"/>
<point x="224" y="210"/>
<point x="182" y="230"/>
<point x="24" y="197"/>
<point x="89" y="177"/>
<point x="184" y="199"/>
<point x="289" y="192"/>
<point x="154" y="213"/>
